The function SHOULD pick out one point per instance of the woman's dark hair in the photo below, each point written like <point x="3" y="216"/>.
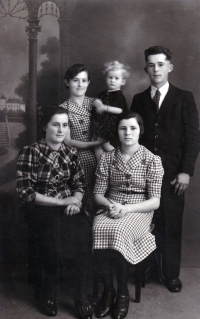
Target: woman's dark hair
<point x="75" y="69"/>
<point x="131" y="115"/>
<point x="51" y="111"/>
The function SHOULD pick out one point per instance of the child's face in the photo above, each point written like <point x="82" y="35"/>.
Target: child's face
<point x="114" y="79"/>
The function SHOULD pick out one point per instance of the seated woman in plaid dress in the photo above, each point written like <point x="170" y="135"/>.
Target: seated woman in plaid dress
<point x="128" y="186"/>
<point x="51" y="184"/>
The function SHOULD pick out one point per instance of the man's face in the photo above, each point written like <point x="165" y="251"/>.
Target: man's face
<point x="158" y="68"/>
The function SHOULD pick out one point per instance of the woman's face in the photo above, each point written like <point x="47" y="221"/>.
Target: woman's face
<point x="78" y="85"/>
<point x="129" y="132"/>
<point x="56" y="130"/>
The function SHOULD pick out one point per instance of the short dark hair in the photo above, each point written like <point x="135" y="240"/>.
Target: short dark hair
<point x="75" y="69"/>
<point x="131" y="115"/>
<point x="50" y="112"/>
<point x="157" y="50"/>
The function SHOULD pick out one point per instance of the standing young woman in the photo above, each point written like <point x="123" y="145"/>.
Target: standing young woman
<point x="128" y="185"/>
<point x="77" y="79"/>
<point x="51" y="184"/>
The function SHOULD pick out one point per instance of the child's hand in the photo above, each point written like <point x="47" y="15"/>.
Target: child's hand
<point x="100" y="107"/>
<point x="97" y="103"/>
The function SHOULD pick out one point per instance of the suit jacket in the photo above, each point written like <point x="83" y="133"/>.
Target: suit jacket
<point x="172" y="133"/>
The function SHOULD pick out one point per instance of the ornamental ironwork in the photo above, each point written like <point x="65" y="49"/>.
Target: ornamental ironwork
<point x="49" y="8"/>
<point x="16" y="9"/>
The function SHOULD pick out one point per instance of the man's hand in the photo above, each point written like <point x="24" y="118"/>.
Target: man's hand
<point x="181" y="182"/>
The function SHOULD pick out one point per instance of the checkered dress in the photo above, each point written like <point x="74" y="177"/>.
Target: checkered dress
<point x="142" y="174"/>
<point x="80" y="127"/>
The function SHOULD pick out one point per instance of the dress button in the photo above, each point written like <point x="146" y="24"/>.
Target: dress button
<point x="156" y="136"/>
<point x="156" y="124"/>
<point x="155" y="149"/>
<point x="127" y="185"/>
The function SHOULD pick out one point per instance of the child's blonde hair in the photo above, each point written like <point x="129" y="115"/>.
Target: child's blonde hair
<point x="115" y="65"/>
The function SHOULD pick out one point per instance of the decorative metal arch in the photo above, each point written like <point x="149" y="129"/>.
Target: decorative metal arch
<point x="65" y="8"/>
<point x="30" y="9"/>
<point x="14" y="10"/>
<point x="49" y="8"/>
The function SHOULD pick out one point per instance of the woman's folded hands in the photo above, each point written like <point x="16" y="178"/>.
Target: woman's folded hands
<point x="117" y="210"/>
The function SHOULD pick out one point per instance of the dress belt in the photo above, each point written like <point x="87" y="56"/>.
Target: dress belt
<point x="130" y="192"/>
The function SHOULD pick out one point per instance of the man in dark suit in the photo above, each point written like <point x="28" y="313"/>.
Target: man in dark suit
<point x="172" y="132"/>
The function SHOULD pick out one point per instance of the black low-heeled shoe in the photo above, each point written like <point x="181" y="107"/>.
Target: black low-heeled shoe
<point x="173" y="285"/>
<point x="121" y="307"/>
<point x="84" y="309"/>
<point x="49" y="307"/>
<point x="105" y="305"/>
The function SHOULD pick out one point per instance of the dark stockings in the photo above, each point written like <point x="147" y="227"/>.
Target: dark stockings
<point x="103" y="263"/>
<point x="106" y="259"/>
<point x="121" y="270"/>
<point x="82" y="264"/>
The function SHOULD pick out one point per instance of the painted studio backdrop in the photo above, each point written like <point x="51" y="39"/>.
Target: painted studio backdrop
<point x="40" y="39"/>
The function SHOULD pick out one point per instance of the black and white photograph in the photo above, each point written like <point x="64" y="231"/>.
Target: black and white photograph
<point x="99" y="159"/>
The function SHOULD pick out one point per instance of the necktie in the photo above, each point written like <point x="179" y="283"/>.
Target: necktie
<point x="156" y="99"/>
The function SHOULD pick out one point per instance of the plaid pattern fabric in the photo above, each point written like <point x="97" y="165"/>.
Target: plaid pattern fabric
<point x="80" y="128"/>
<point x="130" y="235"/>
<point x="52" y="173"/>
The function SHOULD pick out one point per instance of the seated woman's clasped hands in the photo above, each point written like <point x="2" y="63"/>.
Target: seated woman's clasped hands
<point x="127" y="189"/>
<point x="51" y="184"/>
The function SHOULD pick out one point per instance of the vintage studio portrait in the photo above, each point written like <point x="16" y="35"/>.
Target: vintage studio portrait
<point x="99" y="159"/>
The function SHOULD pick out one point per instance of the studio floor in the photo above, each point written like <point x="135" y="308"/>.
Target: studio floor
<point x="17" y="298"/>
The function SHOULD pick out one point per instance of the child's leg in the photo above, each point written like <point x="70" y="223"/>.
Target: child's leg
<point x="98" y="151"/>
<point x="107" y="147"/>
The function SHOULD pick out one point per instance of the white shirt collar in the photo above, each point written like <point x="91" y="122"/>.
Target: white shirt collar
<point x="163" y="91"/>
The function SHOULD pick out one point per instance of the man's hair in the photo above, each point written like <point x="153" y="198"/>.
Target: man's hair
<point x="158" y="49"/>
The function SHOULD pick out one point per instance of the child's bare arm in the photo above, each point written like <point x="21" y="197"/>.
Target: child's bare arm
<point x="101" y="108"/>
<point x="82" y="144"/>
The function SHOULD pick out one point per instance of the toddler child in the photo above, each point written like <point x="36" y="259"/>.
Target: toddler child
<point x="109" y="105"/>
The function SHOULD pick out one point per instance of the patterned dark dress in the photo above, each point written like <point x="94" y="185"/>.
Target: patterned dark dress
<point x="130" y="235"/>
<point x="104" y="125"/>
<point x="80" y="127"/>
